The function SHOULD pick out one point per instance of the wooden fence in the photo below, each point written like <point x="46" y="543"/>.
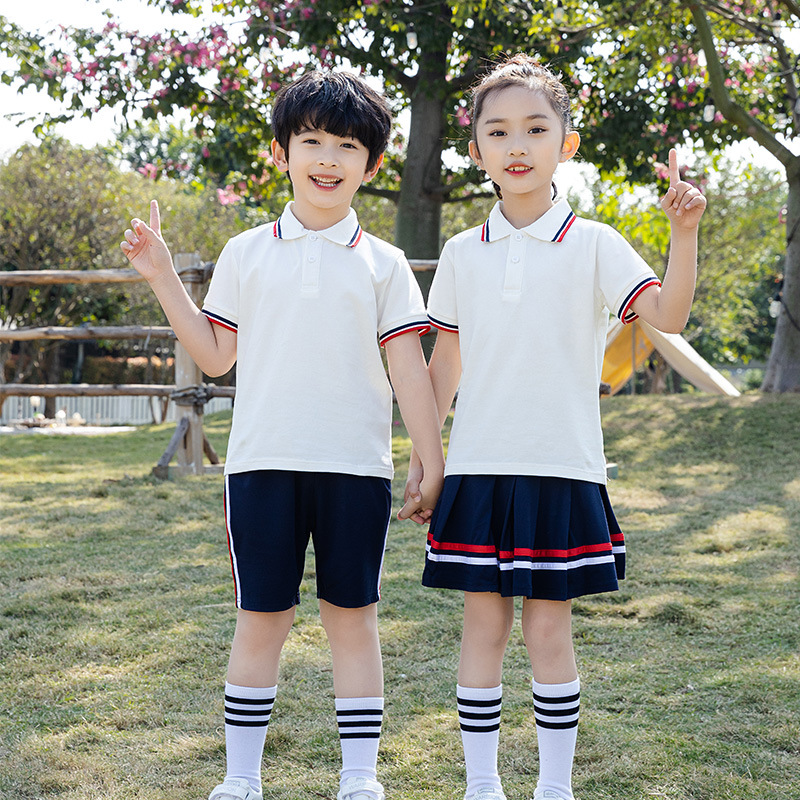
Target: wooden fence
<point x="190" y="394"/>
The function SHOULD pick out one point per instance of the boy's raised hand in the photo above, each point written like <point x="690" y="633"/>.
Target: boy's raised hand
<point x="145" y="248"/>
<point x="683" y="203"/>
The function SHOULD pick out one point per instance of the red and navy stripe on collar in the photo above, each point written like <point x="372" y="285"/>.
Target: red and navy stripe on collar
<point x="565" y="226"/>
<point x="277" y="232"/>
<point x="559" y="235"/>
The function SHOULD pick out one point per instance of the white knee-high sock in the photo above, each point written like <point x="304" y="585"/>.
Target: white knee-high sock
<point x="359" y="720"/>
<point x="479" y="719"/>
<point x="247" y="713"/>
<point x="556" y="708"/>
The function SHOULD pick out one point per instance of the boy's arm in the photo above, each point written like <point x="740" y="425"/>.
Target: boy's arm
<point x="212" y="347"/>
<point x="445" y="374"/>
<point x="415" y="398"/>
<point x="668" y="308"/>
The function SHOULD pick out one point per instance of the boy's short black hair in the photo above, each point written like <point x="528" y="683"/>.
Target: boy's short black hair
<point x="336" y="102"/>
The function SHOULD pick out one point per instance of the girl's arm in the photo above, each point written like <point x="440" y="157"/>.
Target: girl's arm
<point x="445" y="374"/>
<point x="415" y="399"/>
<point x="667" y="308"/>
<point x="212" y="347"/>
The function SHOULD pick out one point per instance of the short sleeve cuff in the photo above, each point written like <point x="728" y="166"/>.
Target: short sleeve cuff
<point x="442" y="325"/>
<point x="421" y="326"/>
<point x="223" y="322"/>
<point x="626" y="313"/>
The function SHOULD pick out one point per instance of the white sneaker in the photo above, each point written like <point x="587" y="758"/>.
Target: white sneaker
<point x="234" y="789"/>
<point x="549" y="794"/>
<point x="360" y="789"/>
<point x="487" y="793"/>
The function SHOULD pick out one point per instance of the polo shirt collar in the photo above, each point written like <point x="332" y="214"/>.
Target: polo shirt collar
<point x="347" y="232"/>
<point x="552" y="226"/>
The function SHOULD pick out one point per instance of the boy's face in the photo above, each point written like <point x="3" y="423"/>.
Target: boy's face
<point x="326" y="171"/>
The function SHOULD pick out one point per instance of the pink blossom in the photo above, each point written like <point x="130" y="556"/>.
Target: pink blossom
<point x="227" y="196"/>
<point x="149" y="170"/>
<point x="462" y="117"/>
<point x="206" y="152"/>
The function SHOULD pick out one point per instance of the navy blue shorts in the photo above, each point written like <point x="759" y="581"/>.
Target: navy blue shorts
<point x="537" y="537"/>
<point x="270" y="516"/>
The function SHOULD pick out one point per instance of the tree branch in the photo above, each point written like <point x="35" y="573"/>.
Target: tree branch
<point x="732" y="111"/>
<point x="389" y="194"/>
<point x="793" y="8"/>
<point x="473" y="196"/>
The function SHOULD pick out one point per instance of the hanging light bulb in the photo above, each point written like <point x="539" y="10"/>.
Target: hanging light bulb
<point x="559" y="15"/>
<point x="412" y="39"/>
<point x="709" y="112"/>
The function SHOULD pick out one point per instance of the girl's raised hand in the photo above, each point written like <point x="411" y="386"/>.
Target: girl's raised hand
<point x="683" y="203"/>
<point x="145" y="248"/>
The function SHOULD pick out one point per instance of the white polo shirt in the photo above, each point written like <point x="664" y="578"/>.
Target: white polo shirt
<point x="530" y="307"/>
<point x="310" y="308"/>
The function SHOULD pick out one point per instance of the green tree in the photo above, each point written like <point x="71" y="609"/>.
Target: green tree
<point x="739" y="251"/>
<point x="65" y="208"/>
<point x="649" y="74"/>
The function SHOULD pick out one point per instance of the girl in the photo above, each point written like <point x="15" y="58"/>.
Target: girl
<point x="521" y="307"/>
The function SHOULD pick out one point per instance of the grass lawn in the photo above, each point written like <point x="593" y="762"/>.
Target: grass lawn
<point x="116" y="618"/>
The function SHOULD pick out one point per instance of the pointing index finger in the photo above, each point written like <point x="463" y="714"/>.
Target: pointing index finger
<point x="155" y="217"/>
<point x="674" y="175"/>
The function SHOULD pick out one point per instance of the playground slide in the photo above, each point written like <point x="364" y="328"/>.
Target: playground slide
<point x="634" y="343"/>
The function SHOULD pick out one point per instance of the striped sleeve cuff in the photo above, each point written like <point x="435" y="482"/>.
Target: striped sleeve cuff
<point x="393" y="333"/>
<point x="221" y="321"/>
<point x="442" y="325"/>
<point x="626" y="313"/>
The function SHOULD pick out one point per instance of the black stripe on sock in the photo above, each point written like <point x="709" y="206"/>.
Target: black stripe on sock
<point x="352" y="712"/>
<point x="557" y="726"/>
<point x="480" y="728"/>
<point x="462" y="701"/>
<point x="344" y="735"/>
<point x="246" y="723"/>
<point x="249" y="701"/>
<point x="570" y="698"/>
<point x="555" y="712"/>
<point x="476" y="715"/>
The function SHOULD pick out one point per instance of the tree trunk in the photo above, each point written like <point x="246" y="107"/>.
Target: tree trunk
<point x="419" y="208"/>
<point x="783" y="368"/>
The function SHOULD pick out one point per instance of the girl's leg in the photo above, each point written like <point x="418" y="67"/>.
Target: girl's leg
<point x="357" y="686"/>
<point x="547" y="627"/>
<point x="250" y="689"/>
<point x="488" y="618"/>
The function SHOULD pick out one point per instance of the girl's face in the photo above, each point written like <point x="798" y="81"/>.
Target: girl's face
<point x="520" y="141"/>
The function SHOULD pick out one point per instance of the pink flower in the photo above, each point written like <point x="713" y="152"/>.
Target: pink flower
<point x="227" y="196"/>
<point x="149" y="170"/>
<point x="462" y="117"/>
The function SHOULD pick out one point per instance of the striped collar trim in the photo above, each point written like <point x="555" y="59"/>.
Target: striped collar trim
<point x="348" y="232"/>
<point x="552" y="226"/>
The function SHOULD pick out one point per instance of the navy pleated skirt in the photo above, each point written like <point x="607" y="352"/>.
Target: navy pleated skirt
<point x="530" y="536"/>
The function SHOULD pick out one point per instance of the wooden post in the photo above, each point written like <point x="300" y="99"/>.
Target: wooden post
<point x="187" y="374"/>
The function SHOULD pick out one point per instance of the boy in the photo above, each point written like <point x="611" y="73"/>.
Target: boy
<point x="301" y="304"/>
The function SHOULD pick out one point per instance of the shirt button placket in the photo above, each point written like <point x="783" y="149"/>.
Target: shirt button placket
<point x="512" y="282"/>
<point x="311" y="263"/>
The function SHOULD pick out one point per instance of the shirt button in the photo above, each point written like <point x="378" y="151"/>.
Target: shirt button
<point x="312" y="258"/>
<point x="313" y="237"/>
<point x="515" y="259"/>
<point x="518" y="237"/>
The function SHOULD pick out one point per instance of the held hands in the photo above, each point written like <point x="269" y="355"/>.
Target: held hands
<point x="421" y="493"/>
<point x="145" y="248"/>
<point x="683" y="203"/>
